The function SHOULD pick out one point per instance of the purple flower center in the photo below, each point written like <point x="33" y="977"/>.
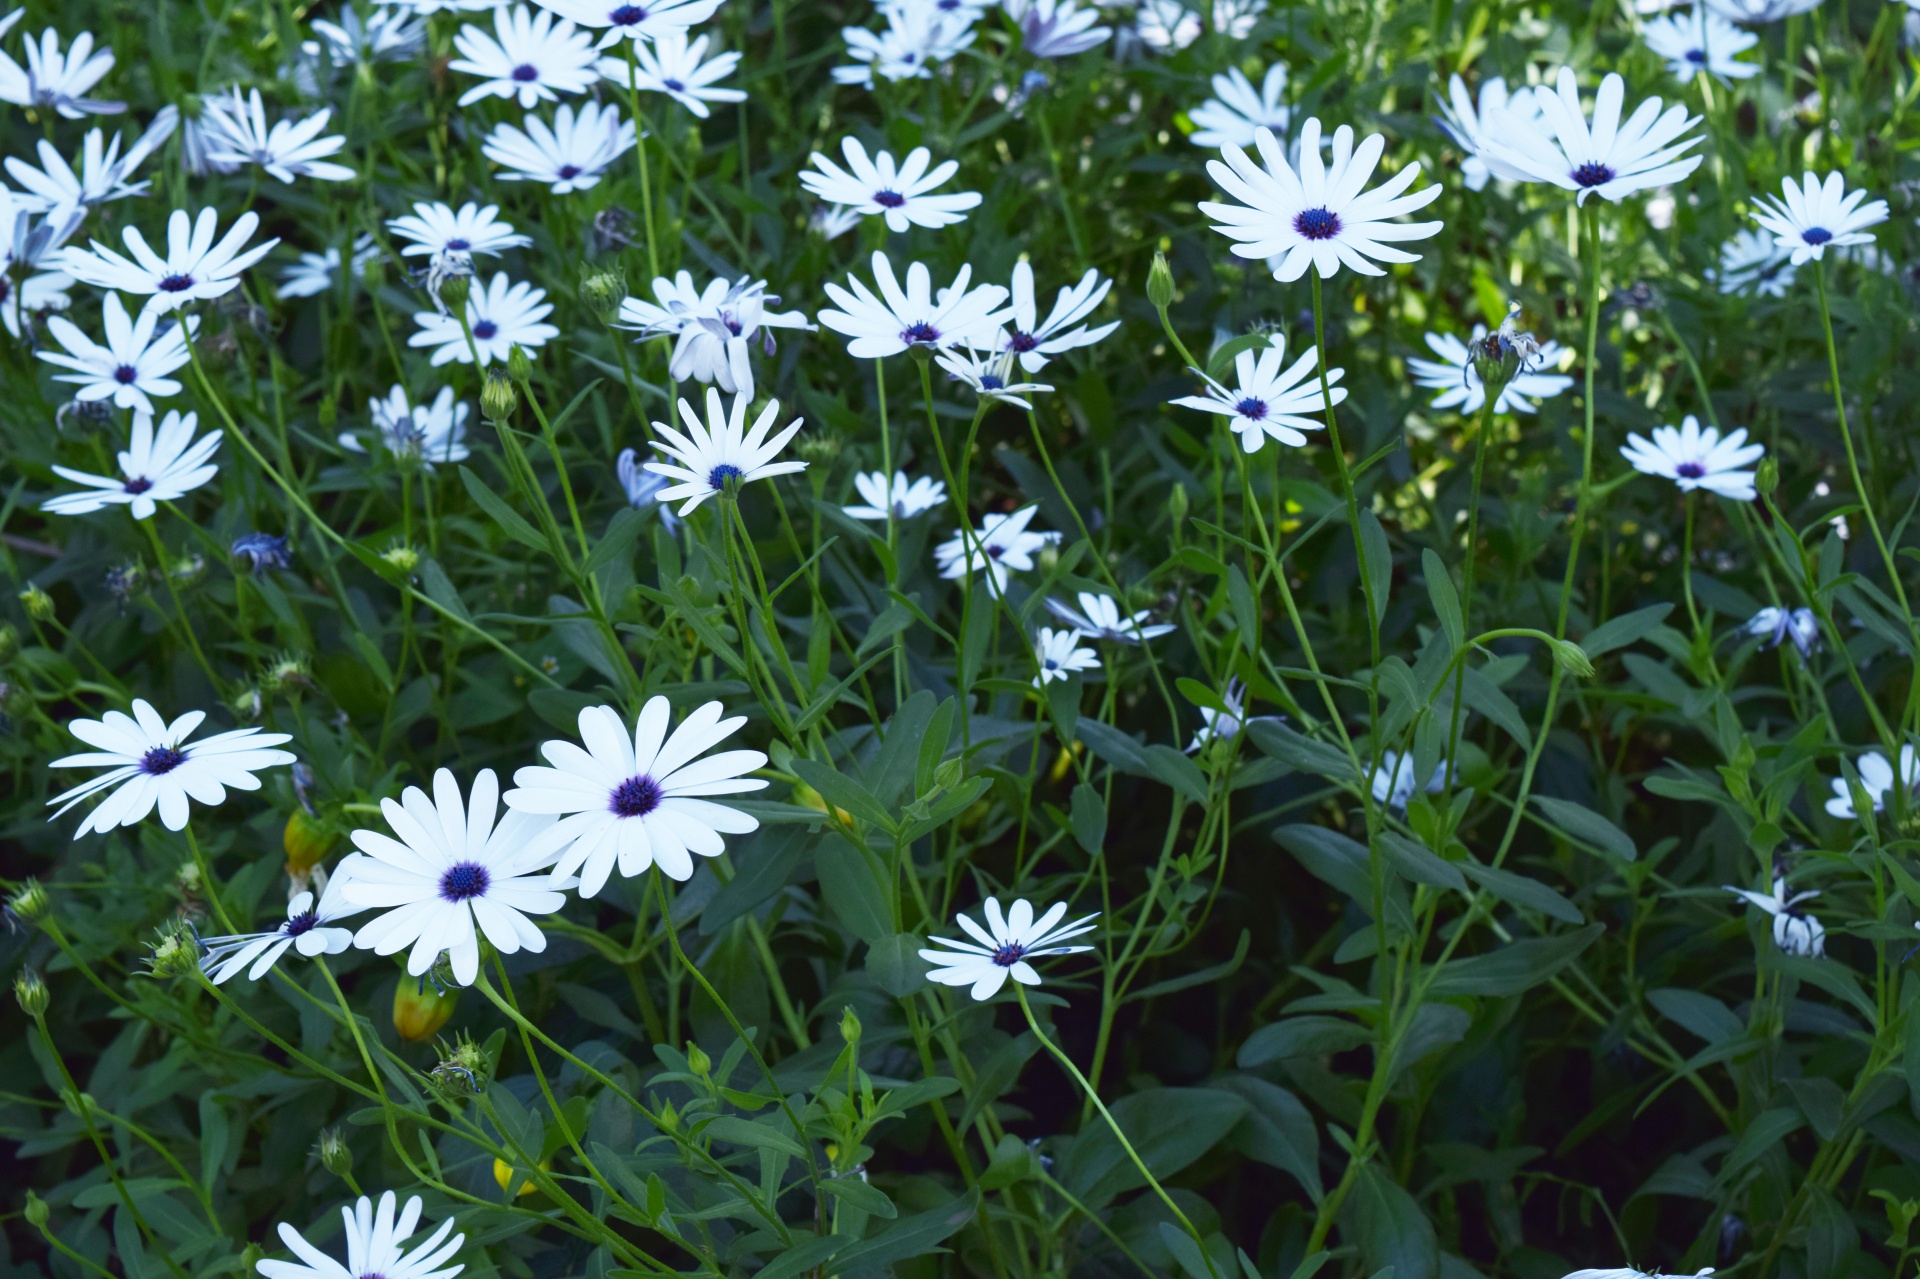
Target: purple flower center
<point x="988" y="382"/>
<point x="457" y="245"/>
<point x="1252" y="409"/>
<point x="1007" y="954"/>
<point x="1051" y="665"/>
<point x="1697" y="56"/>
<point x="176" y="283"/>
<point x="627" y="15"/>
<point x="1690" y="470"/>
<point x="568" y="172"/>
<point x="485" y="329"/>
<point x="126" y="375"/>
<point x="674" y="86"/>
<point x="137" y="485"/>
<point x="1022" y="342"/>
<point x="720" y="474"/>
<point x="301" y="923"/>
<point x="919" y="331"/>
<point x="1317" y="224"/>
<point x="995" y="552"/>
<point x="1593" y="174"/>
<point x="526" y="73"/>
<point x="464" y="881"/>
<point x="889" y="199"/>
<point x="635" y="797"/>
<point x="1816" y="235"/>
<point x="161" y="760"/>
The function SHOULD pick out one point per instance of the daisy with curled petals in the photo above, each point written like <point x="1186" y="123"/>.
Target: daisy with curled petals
<point x="636" y="799"/>
<point x="990" y="376"/>
<point x="309" y="929"/>
<point x="530" y="57"/>
<point x="568" y="157"/>
<point x="102" y="173"/>
<point x="671" y="64"/>
<point x="896" y="319"/>
<point x="1817" y="213"/>
<point x="1319" y="216"/>
<point x="1775" y="626"/>
<point x="452" y="875"/>
<point x="155" y="467"/>
<point x="55" y="80"/>
<point x="1058" y="654"/>
<point x="900" y="193"/>
<point x="1035" y="342"/>
<point x="721" y="450"/>
<point x="904" y="499"/>
<point x="1612" y="158"/>
<point x="151" y="764"/>
<point x="1794" y="931"/>
<point x="1876" y="778"/>
<point x="1060" y="29"/>
<point x="1268" y="400"/>
<point x="374" y="1247"/>
<point x="1099" y="617"/>
<point x="434" y="229"/>
<point x="500" y="316"/>
<point x="1701" y="40"/>
<point x="1004" y="947"/>
<point x="1001" y="543"/>
<point x="132" y="365"/>
<point x="1458" y="382"/>
<point x="1697" y="459"/>
<point x="195" y="267"/>
<point x="419" y="433"/>
<point x="640" y="21"/>
<point x="1470" y="126"/>
<point x="1237" y="112"/>
<point x="286" y="151"/>
<point x="714" y="328"/>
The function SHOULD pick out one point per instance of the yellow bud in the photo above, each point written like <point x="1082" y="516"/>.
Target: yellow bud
<point x="418" y="1013"/>
<point x="503" y="1175"/>
<point x="307" y="841"/>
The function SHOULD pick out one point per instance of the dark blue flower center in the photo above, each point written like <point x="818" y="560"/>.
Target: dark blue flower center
<point x="526" y="73"/>
<point x="674" y="86"/>
<point x="1317" y="224"/>
<point x="161" y="760"/>
<point x="464" y="881"/>
<point x="889" y="199"/>
<point x="627" y="15"/>
<point x="1593" y="174"/>
<point x="635" y="797"/>
<point x="988" y="382"/>
<point x="1007" y="954"/>
<point x="919" y="331"/>
<point x="138" y="484"/>
<point x="568" y="172"/>
<point x="457" y="245"/>
<point x="126" y="375"/>
<point x="1697" y="56"/>
<point x="1690" y="470"/>
<point x="1051" y="665"/>
<point x="1022" y="342"/>
<point x="301" y="923"/>
<point x="1816" y="235"/>
<point x="1251" y="408"/>
<point x="485" y="329"/>
<point x="995" y="552"/>
<point x="720" y="474"/>
<point x="176" y="283"/>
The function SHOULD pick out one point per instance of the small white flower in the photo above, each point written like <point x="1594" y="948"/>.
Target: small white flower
<point x="308" y="929"/>
<point x="1628" y="1272"/>
<point x="311" y="274"/>
<point x="1035" y="342"/>
<point x="1099" y="617"/>
<point x="673" y="65"/>
<point x="1320" y="216"/>
<point x="1701" y="40"/>
<point x="1058" y="654"/>
<point x="635" y="800"/>
<point x="1794" y="931"/>
<point x="530" y="57"/>
<point x="424" y="7"/>
<point x="640" y="21"/>
<point x="1471" y="127"/>
<point x="1612" y="158"/>
<point x="373" y="1247"/>
<point x="195" y="268"/>
<point x="1235" y="114"/>
<point x="499" y="316"/>
<point x="1816" y="214"/>
<point x="721" y="449"/>
<point x="55" y="80"/>
<point x="1060" y="29"/>
<point x="989" y="376"/>
<point x="714" y="328"/>
<point x="897" y="320"/>
<point x="103" y="173"/>
<point x="1267" y="400"/>
<point x="917" y="38"/>
<point x="1459" y="382"/>
<point x="133" y="364"/>
<point x="1775" y="626"/>
<point x="900" y="193"/>
<point x="1751" y="261"/>
<point x="151" y="764"/>
<point x="1394" y="782"/>
<point x="568" y="157"/>
<point x="426" y="433"/>
<point x="154" y="468"/>
<point x="832" y="221"/>
<point x="434" y="229"/>
<point x="643" y="488"/>
<point x="1224" y="726"/>
<point x="906" y="499"/>
<point x="1166" y="26"/>
<point x="390" y="35"/>
<point x="1697" y="459"/>
<point x="451" y="869"/>
<point x="1761" y="10"/>
<point x="1001" y="543"/>
<point x="1876" y="778"/>
<point x="286" y="151"/>
<point x="1004" y="947"/>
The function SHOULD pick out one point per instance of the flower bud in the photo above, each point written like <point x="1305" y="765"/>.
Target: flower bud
<point x="174" y="953"/>
<point x="38" y="603"/>
<point x="246" y="704"/>
<point x="419" y="1008"/>
<point x="849" y="1025"/>
<point x="818" y="449"/>
<point x="603" y="292"/>
<point x="36" y="1211"/>
<point x="464" y="1068"/>
<point x="503" y="1177"/>
<point x="29" y="901"/>
<point x="950" y="774"/>
<point x="402" y="557"/>
<point x="307" y="840"/>
<point x="1177" y="506"/>
<point x="289" y="673"/>
<point x="697" y="1060"/>
<point x="31" y="992"/>
<point x="328" y="413"/>
<point x="335" y="1155"/>
<point x="1572" y="659"/>
<point x="9" y="642"/>
<point x="1767" y="477"/>
<point x="453" y="293"/>
<point x="1160" y="282"/>
<point x="374" y="274"/>
<point x="1502" y="355"/>
<point x="498" y="399"/>
<point x="519" y="364"/>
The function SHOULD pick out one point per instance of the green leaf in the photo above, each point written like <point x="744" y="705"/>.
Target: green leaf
<point x="1310" y="1036"/>
<point x="747" y="1132"/>
<point x="1220" y="362"/>
<point x="1587" y="826"/>
<point x="893" y="619"/>
<point x="1414" y="861"/>
<point x="1199" y="977"/>
<point x="511" y="521"/>
<point x="1515" y="967"/>
<point x="617" y="542"/>
<point x="915" y="1236"/>
<point x="1168" y="1127"/>
<point x="894" y="962"/>
<point x="1625" y="630"/>
<point x="851" y="886"/>
<point x="1518" y="890"/>
<point x="867" y="1198"/>
<point x="894" y="768"/>
<point x="1379" y="561"/>
<point x="1300" y="752"/>
<point x="843" y="792"/>
<point x="440" y="589"/>
<point x="1392" y="1232"/>
<point x="1278" y="1131"/>
<point x="1701" y="1014"/>
<point x="1115" y="747"/>
<point x="1089" y="818"/>
<point x="1199" y="694"/>
<point x="1445" y="597"/>
<point x="1185" y="1251"/>
<point x="1246" y="610"/>
<point x="933" y="747"/>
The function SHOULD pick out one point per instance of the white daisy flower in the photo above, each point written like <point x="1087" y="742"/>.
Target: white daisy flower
<point x="150" y="764"/>
<point x="154" y="468"/>
<point x="1761" y="10"/>
<point x="311" y="274"/>
<point x="39" y="294"/>
<point x="906" y="499"/>
<point x="1236" y="113"/>
<point x="1004" y="947"/>
<point x="1225" y="725"/>
<point x="1034" y="342"/>
<point x="426" y="433"/>
<point x="1320" y="216"/>
<point x="714" y="328"/>
<point x="832" y="221"/>
<point x="1471" y="126"/>
<point x="133" y="364"/>
<point x="1060" y="29"/>
<point x="897" y="320"/>
<point x="195" y="268"/>
<point x="1816" y="213"/>
<point x="388" y="35"/>
<point x="568" y="157"/>
<point x="1701" y="40"/>
<point x="1458" y="382"/>
<point x="1753" y="262"/>
<point x="57" y="81"/>
<point x="1612" y="158"/>
<point x="1628" y="1272"/>
<point x="308" y="929"/>
<point x="1775" y="626"/>
<point x="1794" y="931"/>
<point x="721" y="449"/>
<point x="453" y="869"/>
<point x="1268" y="400"/>
<point x="499" y="316"/>
<point x="989" y="375"/>
<point x="436" y="228"/>
<point x="373" y="1247"/>
<point x="1236" y="18"/>
<point x="641" y="21"/>
<point x="102" y="175"/>
<point x="530" y="57"/>
<point x="643" y="488"/>
<point x="917" y="38"/>
<point x="1166" y="26"/>
<point x="671" y="64"/>
<point x="1058" y="654"/>
<point x="1394" y="782"/>
<point x="1876" y="778"/>
<point x="424" y="7"/>
<point x="635" y="801"/>
<point x="286" y="151"/>
<point x="900" y="193"/>
<point x="1001" y="543"/>
<point x="1099" y="617"/>
<point x="1697" y="459"/>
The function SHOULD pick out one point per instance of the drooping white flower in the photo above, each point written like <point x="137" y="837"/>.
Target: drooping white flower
<point x="1058" y="654"/>
<point x="1794" y="931"/>
<point x="1471" y="126"/>
<point x="1876" y="778"/>
<point x="309" y="929"/>
<point x="1394" y="782"/>
<point x="103" y="173"/>
<point x="916" y="39"/>
<point x="155" y="467"/>
<point x="714" y="328"/>
<point x="639" y="21"/>
<point x="1060" y="29"/>
<point x="672" y="64"/>
<point x="1701" y="40"/>
<point x="1035" y="342"/>
<point x="286" y="151"/>
<point x="453" y="874"/>
<point x="151" y="764"/>
<point x="374" y="1247"/>
<point x="1813" y="214"/>
<point x="1775" y="626"/>
<point x="906" y="499"/>
<point x="58" y="81"/>
<point x="311" y="274"/>
<point x="529" y="57"/>
<point x="900" y="193"/>
<point x="989" y="375"/>
<point x="130" y="367"/>
<point x="1099" y="617"/>
<point x="1269" y="400"/>
<point x="1752" y="261"/>
<point x="1697" y="459"/>
<point x="1004" y="947"/>
<point x="195" y="268"/>
<point x="1235" y="114"/>
<point x="1611" y="158"/>
<point x="424" y="433"/>
<point x="1319" y="216"/>
<point x="570" y="156"/>
<point x="896" y="319"/>
<point x="721" y="449"/>
<point x="1458" y="382"/>
<point x="436" y="228"/>
<point x="643" y="488"/>
<point x="637" y="800"/>
<point x="499" y="316"/>
<point x="1001" y="543"/>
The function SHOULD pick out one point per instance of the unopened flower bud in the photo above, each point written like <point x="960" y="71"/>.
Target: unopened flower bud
<point x="818" y="449"/>
<point x="1503" y="355"/>
<point x="1572" y="659"/>
<point x="29" y="901"/>
<point x="950" y="774"/>
<point x="246" y="704"/>
<point x="374" y="274"/>
<point x="1160" y="282"/>
<point x="1767" y="478"/>
<point x="173" y="954"/>
<point x="38" y="603"/>
<point x="603" y="291"/>
<point x="498" y="399"/>
<point x="328" y="413"/>
<point x="519" y="363"/>
<point x="849" y="1025"/>
<point x="453" y="293"/>
<point x="402" y="557"/>
<point x="697" y="1060"/>
<point x="250" y="1258"/>
<point x="420" y="1008"/>
<point x="1177" y="505"/>
<point x="335" y="1156"/>
<point x="307" y="841"/>
<point x="464" y="1068"/>
<point x="503" y="1177"/>
<point x="36" y="1211"/>
<point x="9" y="642"/>
<point x="31" y="992"/>
<point x="669" y="1119"/>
